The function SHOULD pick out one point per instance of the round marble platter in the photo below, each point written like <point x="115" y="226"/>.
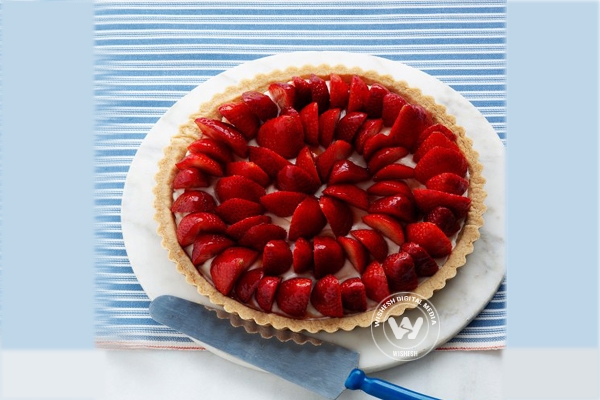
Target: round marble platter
<point x="457" y="304"/>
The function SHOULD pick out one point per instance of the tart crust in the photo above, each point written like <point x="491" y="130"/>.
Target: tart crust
<point x="189" y="132"/>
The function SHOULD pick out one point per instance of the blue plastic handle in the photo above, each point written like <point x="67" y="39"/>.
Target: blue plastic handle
<point x="358" y="380"/>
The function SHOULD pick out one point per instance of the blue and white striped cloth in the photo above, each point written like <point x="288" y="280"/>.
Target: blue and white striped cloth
<point x="149" y="54"/>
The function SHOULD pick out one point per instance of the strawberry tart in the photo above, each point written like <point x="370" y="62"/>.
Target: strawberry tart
<point x="302" y="198"/>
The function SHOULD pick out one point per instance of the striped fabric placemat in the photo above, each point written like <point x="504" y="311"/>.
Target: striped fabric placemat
<point x="149" y="54"/>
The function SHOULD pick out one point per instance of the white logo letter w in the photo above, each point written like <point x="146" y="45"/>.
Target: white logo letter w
<point x="405" y="327"/>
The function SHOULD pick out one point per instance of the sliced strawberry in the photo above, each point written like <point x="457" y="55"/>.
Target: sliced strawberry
<point x="411" y="121"/>
<point x="192" y="201"/>
<point x="268" y="160"/>
<point x="292" y="178"/>
<point x="290" y="111"/>
<point x="374" y="105"/>
<point x="276" y="257"/>
<point x="224" y="133"/>
<point x="400" y="271"/>
<point x="258" y="236"/>
<point x="355" y="251"/>
<point x="338" y="150"/>
<point x="190" y="178"/>
<point x="386" y="225"/>
<point x="284" y="135"/>
<point x="428" y="199"/>
<point x="193" y="224"/>
<point x="240" y="187"/>
<point x="359" y="95"/>
<point x="385" y="157"/>
<point x="373" y="242"/>
<point x="349" y="126"/>
<point x="389" y="188"/>
<point x="375" y="281"/>
<point x="392" y="104"/>
<point x="303" y="92"/>
<point x="247" y="284"/>
<point x="293" y="296"/>
<point x="328" y="256"/>
<point x="438" y="160"/>
<point x="236" y="209"/>
<point x="302" y="256"/>
<point x="448" y="182"/>
<point x="435" y="139"/>
<point x="444" y="219"/>
<point x="248" y="169"/>
<point x="319" y="92"/>
<point x="284" y="94"/>
<point x="241" y="116"/>
<point x="216" y="150"/>
<point x="338" y="214"/>
<point x="282" y="203"/>
<point x="266" y="291"/>
<point x="424" y="264"/>
<point x="327" y="124"/>
<point x="261" y="105"/>
<point x="208" y="245"/>
<point x="394" y="172"/>
<point x="350" y="194"/>
<point x="310" y="122"/>
<point x="436" y="128"/>
<point x="338" y="91"/>
<point x="308" y="219"/>
<point x="228" y="266"/>
<point x="201" y="161"/>
<point x="345" y="171"/>
<point x="429" y="236"/>
<point x="237" y="230"/>
<point x="307" y="162"/>
<point x="375" y="143"/>
<point x="354" y="295"/>
<point x="398" y="206"/>
<point x="326" y="297"/>
<point x="368" y="129"/>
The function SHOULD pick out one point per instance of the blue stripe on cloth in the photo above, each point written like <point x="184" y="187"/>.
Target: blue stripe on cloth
<point x="150" y="54"/>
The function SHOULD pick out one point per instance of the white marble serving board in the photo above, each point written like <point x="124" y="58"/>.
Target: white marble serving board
<point x="457" y="304"/>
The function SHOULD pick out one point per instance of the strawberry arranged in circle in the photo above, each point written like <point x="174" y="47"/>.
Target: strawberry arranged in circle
<point x="338" y="214"/>
<point x="357" y="253"/>
<point x="218" y="151"/>
<point x="208" y="245"/>
<point x="236" y="209"/>
<point x="328" y="256"/>
<point x="266" y="291"/>
<point x="373" y="242"/>
<point x="238" y="187"/>
<point x="386" y="225"/>
<point x="424" y="264"/>
<point x="284" y="94"/>
<point x="249" y="170"/>
<point x="398" y="206"/>
<point x="193" y="224"/>
<point x="376" y="282"/>
<point x="283" y="134"/>
<point x="439" y="160"/>
<point x="309" y="116"/>
<point x="448" y="182"/>
<point x="242" y="117"/>
<point x="326" y="297"/>
<point x="276" y="257"/>
<point x="308" y="219"/>
<point x="293" y="296"/>
<point x="190" y="178"/>
<point x="267" y="160"/>
<point x="292" y="178"/>
<point x="225" y="134"/>
<point x="428" y="199"/>
<point x="444" y="219"/>
<point x="351" y="194"/>
<point x="430" y="237"/>
<point x="203" y="162"/>
<point x="338" y="92"/>
<point x="400" y="271"/>
<point x="354" y="295"/>
<point x="345" y="171"/>
<point x="302" y="256"/>
<point x="260" y="104"/>
<point x="194" y="201"/>
<point x="247" y="284"/>
<point x="256" y="237"/>
<point x="236" y="231"/>
<point x="228" y="266"/>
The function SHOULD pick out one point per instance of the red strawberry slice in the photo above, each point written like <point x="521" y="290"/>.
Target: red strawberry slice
<point x="284" y="94"/>
<point x="349" y="126"/>
<point x="247" y="284"/>
<point x="289" y="111"/>
<point x="359" y="95"/>
<point x="398" y="206"/>
<point x="389" y="188"/>
<point x="293" y="296"/>
<point x="310" y="122"/>
<point x="248" y="169"/>
<point x="444" y="219"/>
<point x="338" y="214"/>
<point x="375" y="143"/>
<point x="307" y="220"/>
<point x="284" y="135"/>
<point x="350" y="194"/>
<point x="429" y="236"/>
<point x="235" y="210"/>
<point x="258" y="236"/>
<point x="355" y="251"/>
<point x="386" y="225"/>
<point x="228" y="266"/>
<point x="374" y="105"/>
<point x="436" y="139"/>
<point x="345" y="171"/>
<point x="354" y="295"/>
<point x="216" y="150"/>
<point x="436" y="128"/>
<point x="338" y="91"/>
<point x="241" y="116"/>
<point x="207" y="246"/>
<point x="438" y="160"/>
<point x="428" y="199"/>
<point x="394" y="172"/>
<point x="368" y="129"/>
<point x="328" y="256"/>
<point x="373" y="242"/>
<point x="266" y="291"/>
<point x="326" y="297"/>
<point x="319" y="92"/>
<point x="411" y="121"/>
<point x="282" y="203"/>
<point x="384" y="157"/>
<point x="239" y="187"/>
<point x="448" y="182"/>
<point x="201" y="161"/>
<point x="237" y="230"/>
<point x="338" y="150"/>
<point x="302" y="256"/>
<point x="400" y="271"/>
<point x="327" y="124"/>
<point x="192" y="201"/>
<point x="193" y="224"/>
<point x="268" y="160"/>
<point x="424" y="264"/>
<point x="375" y="281"/>
<point x="224" y="133"/>
<point x="307" y="162"/>
<point x="190" y="178"/>
<point x="292" y="178"/>
<point x="303" y="92"/>
<point x="392" y="104"/>
<point x="276" y="257"/>
<point x="261" y="105"/>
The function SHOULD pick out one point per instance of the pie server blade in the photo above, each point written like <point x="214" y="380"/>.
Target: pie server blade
<point x="326" y="369"/>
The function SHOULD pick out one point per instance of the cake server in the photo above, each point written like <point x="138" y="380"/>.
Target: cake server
<point x="326" y="369"/>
